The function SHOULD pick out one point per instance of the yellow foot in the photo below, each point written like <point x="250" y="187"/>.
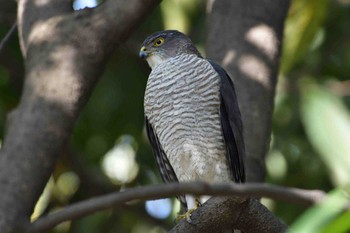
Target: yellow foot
<point x="186" y="216"/>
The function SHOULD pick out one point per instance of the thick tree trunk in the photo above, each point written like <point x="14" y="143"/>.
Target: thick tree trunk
<point x="245" y="37"/>
<point x="65" y="53"/>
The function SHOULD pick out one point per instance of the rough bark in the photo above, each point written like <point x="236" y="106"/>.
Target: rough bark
<point x="245" y="37"/>
<point x="220" y="213"/>
<point x="64" y="52"/>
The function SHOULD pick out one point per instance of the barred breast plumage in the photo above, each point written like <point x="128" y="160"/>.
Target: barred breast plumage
<point x="182" y="102"/>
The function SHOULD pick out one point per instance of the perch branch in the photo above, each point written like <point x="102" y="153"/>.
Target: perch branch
<point x="249" y="190"/>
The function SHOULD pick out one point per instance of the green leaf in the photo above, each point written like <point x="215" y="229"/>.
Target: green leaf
<point x="317" y="217"/>
<point x="327" y="124"/>
<point x="340" y="225"/>
<point x="302" y="30"/>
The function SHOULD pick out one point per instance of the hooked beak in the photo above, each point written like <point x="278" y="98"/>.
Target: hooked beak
<point x="143" y="53"/>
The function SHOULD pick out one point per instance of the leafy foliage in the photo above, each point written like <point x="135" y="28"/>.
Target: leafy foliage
<point x="311" y="122"/>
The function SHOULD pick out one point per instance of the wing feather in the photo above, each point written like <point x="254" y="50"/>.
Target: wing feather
<point x="231" y="125"/>
<point x="166" y="170"/>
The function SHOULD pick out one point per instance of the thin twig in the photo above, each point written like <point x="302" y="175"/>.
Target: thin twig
<point x="87" y="207"/>
<point x="8" y="36"/>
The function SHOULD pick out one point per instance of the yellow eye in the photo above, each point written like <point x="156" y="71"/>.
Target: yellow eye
<point x="158" y="42"/>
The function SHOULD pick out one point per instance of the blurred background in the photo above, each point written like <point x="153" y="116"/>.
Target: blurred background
<point x="109" y="151"/>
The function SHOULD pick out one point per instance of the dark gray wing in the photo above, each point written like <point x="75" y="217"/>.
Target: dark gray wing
<point x="231" y="125"/>
<point x="166" y="170"/>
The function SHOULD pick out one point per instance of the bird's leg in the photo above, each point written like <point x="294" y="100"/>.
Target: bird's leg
<point x="188" y="213"/>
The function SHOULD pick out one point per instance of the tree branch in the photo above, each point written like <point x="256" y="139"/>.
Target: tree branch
<point x="65" y="53"/>
<point x="232" y="207"/>
<point x="8" y="36"/>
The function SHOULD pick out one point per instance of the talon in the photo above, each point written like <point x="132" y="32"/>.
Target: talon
<point x="198" y="203"/>
<point x="186" y="216"/>
<point x="188" y="213"/>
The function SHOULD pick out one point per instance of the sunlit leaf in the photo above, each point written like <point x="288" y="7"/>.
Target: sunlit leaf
<point x="314" y="219"/>
<point x="66" y="185"/>
<point x="43" y="201"/>
<point x="119" y="162"/>
<point x="302" y="30"/>
<point x="327" y="124"/>
<point x="340" y="225"/>
<point x="276" y="165"/>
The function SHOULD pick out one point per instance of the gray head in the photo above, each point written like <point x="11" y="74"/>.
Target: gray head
<point x="160" y="46"/>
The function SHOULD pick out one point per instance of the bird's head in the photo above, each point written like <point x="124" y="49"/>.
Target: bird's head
<point x="160" y="46"/>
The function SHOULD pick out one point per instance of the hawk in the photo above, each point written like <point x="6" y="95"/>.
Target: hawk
<point x="192" y="116"/>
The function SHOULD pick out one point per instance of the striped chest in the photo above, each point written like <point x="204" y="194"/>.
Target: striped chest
<point x="182" y="103"/>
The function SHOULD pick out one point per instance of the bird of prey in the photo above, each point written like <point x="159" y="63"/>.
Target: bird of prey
<point x="192" y="117"/>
